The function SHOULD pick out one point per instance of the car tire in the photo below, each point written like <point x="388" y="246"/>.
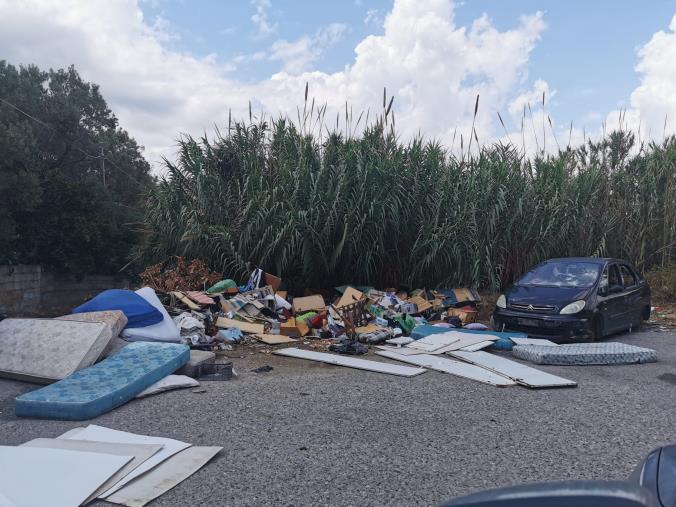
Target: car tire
<point x="645" y="313"/>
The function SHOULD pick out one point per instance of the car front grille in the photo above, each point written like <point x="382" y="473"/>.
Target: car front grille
<point x="533" y="308"/>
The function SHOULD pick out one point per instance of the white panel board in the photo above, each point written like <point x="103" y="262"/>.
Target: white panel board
<point x="164" y="476"/>
<point x="37" y="476"/>
<point x="457" y="368"/>
<point x="404" y="351"/>
<point x="477" y="346"/>
<point x="521" y="373"/>
<point x="101" y="434"/>
<point x="450" y="340"/>
<point x="533" y="341"/>
<point x="139" y="453"/>
<point x="435" y="341"/>
<point x="351" y="362"/>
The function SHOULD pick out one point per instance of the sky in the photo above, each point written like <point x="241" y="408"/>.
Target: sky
<point x="182" y="66"/>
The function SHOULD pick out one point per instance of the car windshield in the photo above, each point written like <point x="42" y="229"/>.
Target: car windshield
<point x="562" y="274"/>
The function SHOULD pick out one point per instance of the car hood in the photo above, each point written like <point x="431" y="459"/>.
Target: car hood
<point x="551" y="296"/>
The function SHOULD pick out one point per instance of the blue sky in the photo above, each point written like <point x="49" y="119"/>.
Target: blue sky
<point x="173" y="67"/>
<point x="587" y="52"/>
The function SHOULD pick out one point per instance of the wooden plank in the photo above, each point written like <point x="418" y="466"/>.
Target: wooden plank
<point x="457" y="368"/>
<point x="246" y="327"/>
<point x="522" y="374"/>
<point x="308" y="303"/>
<point x="274" y="339"/>
<point x="185" y="300"/>
<point x="351" y="362"/>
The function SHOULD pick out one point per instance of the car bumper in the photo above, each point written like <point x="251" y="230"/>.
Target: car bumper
<point x="560" y="328"/>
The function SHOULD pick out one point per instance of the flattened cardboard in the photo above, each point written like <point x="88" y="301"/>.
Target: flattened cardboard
<point x="308" y="303"/>
<point x="421" y="303"/>
<point x="350" y="296"/>
<point x="273" y="281"/>
<point x="246" y="327"/>
<point x="274" y="339"/>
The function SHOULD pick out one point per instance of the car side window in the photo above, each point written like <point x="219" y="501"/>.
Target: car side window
<point x="614" y="279"/>
<point x="628" y="276"/>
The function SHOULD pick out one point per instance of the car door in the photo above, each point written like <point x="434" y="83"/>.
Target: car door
<point x="611" y="299"/>
<point x="633" y="298"/>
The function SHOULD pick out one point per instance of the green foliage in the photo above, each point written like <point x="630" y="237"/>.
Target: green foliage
<point x="59" y="141"/>
<point x="371" y="210"/>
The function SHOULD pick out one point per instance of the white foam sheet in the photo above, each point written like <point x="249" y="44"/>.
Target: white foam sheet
<point x="169" y="383"/>
<point x="164" y="331"/>
<point x="457" y="368"/>
<point x="102" y="434"/>
<point x="351" y="362"/>
<point x="164" y="476"/>
<point x="522" y="374"/>
<point x="533" y="341"/>
<point x="139" y="453"/>
<point x="36" y="476"/>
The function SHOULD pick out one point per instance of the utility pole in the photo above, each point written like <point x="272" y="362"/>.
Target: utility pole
<point x="103" y="167"/>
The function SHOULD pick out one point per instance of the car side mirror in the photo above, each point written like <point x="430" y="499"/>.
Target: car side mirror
<point x="603" y="288"/>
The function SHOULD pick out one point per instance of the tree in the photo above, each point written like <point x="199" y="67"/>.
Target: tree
<point x="71" y="180"/>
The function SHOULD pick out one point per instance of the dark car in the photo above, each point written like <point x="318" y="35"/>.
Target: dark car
<point x="575" y="299"/>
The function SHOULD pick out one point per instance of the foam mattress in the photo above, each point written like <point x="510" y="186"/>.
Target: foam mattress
<point x="47" y="350"/>
<point x="106" y="385"/>
<point x="585" y="353"/>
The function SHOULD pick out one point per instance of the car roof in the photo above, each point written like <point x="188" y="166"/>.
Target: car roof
<point x="594" y="260"/>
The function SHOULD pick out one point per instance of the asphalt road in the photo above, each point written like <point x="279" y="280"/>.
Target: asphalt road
<point x="311" y="434"/>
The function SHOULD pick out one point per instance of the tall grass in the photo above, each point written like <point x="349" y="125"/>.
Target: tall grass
<point x="325" y="207"/>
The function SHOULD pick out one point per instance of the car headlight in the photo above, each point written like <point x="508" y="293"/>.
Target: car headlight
<point x="573" y="307"/>
<point x="501" y="302"/>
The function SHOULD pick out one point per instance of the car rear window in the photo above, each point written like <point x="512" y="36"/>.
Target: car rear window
<point x="562" y="274"/>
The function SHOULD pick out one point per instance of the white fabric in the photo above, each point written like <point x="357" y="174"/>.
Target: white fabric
<point x="169" y="383"/>
<point x="165" y="331"/>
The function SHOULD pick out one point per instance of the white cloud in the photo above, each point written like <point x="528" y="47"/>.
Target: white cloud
<point x="260" y="18"/>
<point x="373" y="18"/>
<point x="654" y="100"/>
<point x="432" y="66"/>
<point x="298" y="55"/>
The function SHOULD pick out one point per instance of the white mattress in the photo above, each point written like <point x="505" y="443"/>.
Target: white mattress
<point x="165" y="331"/>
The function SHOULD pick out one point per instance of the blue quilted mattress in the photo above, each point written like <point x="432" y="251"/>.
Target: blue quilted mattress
<point x="585" y="353"/>
<point x="102" y="387"/>
<point x="422" y="331"/>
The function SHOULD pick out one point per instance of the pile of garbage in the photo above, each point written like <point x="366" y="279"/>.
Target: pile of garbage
<point x="226" y="314"/>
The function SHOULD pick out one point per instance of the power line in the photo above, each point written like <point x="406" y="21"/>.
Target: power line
<point x="101" y="156"/>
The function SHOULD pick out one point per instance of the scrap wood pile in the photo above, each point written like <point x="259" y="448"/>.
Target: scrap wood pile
<point x="125" y="344"/>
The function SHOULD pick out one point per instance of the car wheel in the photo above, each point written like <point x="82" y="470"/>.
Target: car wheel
<point x="597" y="329"/>
<point x="645" y="314"/>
